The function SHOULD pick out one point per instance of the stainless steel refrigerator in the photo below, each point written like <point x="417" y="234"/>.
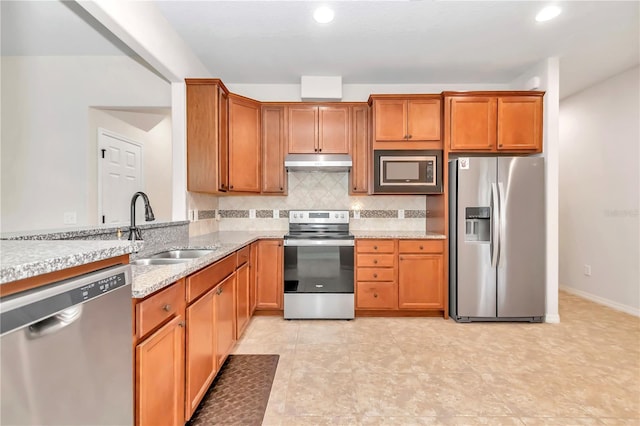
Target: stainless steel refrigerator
<point x="497" y="239"/>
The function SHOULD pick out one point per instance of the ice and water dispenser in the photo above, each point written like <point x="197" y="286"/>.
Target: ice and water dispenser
<point x="477" y="224"/>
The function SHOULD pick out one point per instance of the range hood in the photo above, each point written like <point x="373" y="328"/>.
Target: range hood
<point x="317" y="162"/>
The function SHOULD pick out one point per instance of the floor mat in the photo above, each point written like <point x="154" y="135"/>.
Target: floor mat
<point x="240" y="392"/>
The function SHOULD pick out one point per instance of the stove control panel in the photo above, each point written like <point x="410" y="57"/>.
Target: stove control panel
<point x="319" y="216"/>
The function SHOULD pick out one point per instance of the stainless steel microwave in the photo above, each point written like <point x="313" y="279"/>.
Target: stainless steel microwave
<point x="407" y="171"/>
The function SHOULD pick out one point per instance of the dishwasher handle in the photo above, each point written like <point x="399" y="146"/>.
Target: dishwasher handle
<point x="54" y="323"/>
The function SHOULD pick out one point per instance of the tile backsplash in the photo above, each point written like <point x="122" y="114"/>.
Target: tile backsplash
<point x="318" y="191"/>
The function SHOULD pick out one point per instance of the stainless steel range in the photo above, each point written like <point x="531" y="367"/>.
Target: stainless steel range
<point x="318" y="265"/>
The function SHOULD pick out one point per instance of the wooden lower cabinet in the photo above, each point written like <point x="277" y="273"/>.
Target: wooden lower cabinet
<point x="201" y="365"/>
<point x="243" y="304"/>
<point x="420" y="281"/>
<point x="224" y="319"/>
<point x="376" y="295"/>
<point x="160" y="376"/>
<point x="269" y="275"/>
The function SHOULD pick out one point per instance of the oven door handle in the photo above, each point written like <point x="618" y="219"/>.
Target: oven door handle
<point x="314" y="243"/>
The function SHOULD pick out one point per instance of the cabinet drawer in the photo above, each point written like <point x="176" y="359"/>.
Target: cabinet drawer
<point x="376" y="274"/>
<point x="375" y="260"/>
<point x="154" y="310"/>
<point x="372" y="295"/>
<point x="375" y="246"/>
<point x="200" y="282"/>
<point x="421" y="246"/>
<point x="243" y="255"/>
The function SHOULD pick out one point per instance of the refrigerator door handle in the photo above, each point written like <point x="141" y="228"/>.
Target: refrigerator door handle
<point x="502" y="221"/>
<point x="494" y="247"/>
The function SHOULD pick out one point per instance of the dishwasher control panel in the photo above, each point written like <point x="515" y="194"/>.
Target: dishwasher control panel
<point x="99" y="287"/>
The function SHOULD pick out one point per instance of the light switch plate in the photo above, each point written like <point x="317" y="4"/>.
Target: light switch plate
<point x="70" y="218"/>
<point x="252" y="213"/>
<point x="356" y="214"/>
<point x="400" y="214"/>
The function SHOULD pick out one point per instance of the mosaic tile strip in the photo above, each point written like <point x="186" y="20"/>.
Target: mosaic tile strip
<point x="237" y="214"/>
<point x="206" y="214"/>
<point x="284" y="214"/>
<point x="382" y="214"/>
<point x="264" y="214"/>
<point x="415" y="214"/>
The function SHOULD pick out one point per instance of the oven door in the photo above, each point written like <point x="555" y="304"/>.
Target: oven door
<point x="318" y="279"/>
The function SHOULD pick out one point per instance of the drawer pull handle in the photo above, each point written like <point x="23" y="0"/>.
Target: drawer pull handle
<point x="375" y="261"/>
<point x="375" y="295"/>
<point x="375" y="275"/>
<point x="166" y="307"/>
<point x="182" y="324"/>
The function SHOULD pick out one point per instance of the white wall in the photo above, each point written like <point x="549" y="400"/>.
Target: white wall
<point x="46" y="154"/>
<point x="350" y="92"/>
<point x="600" y="192"/>
<point x="548" y="73"/>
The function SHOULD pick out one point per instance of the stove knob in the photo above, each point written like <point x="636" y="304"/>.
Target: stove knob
<point x="295" y="215"/>
<point x="341" y="215"/>
<point x="336" y="215"/>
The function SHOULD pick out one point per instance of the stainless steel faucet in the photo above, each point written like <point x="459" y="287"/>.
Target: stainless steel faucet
<point x="134" y="232"/>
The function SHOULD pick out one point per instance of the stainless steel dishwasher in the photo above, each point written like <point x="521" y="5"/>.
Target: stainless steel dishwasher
<point x="66" y="352"/>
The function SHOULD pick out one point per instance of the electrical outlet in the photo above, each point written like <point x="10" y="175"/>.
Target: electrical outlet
<point x="276" y="214"/>
<point x="192" y="215"/>
<point x="587" y="270"/>
<point x="69" y="218"/>
<point x="356" y="214"/>
<point x="218" y="217"/>
<point x="401" y="214"/>
<point x="252" y="213"/>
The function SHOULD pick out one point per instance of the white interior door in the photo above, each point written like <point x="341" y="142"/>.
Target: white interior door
<point x="120" y="176"/>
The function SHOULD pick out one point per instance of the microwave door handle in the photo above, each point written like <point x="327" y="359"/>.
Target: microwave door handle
<point x="494" y="246"/>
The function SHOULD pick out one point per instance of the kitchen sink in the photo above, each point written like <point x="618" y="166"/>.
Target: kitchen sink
<point x="159" y="261"/>
<point x="182" y="254"/>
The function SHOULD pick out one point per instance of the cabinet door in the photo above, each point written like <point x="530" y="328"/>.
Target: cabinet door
<point x="423" y="119"/>
<point x="520" y="123"/>
<point x="160" y="376"/>
<point x="242" y="300"/>
<point x="223" y="145"/>
<point x="253" y="289"/>
<point x="200" y="365"/>
<point x="225" y="318"/>
<point x="391" y="119"/>
<point x="274" y="178"/>
<point x="244" y="145"/>
<point x="203" y="116"/>
<point x="473" y="123"/>
<point x="269" y="275"/>
<point x="359" y="174"/>
<point x="303" y="129"/>
<point x="333" y="130"/>
<point x="420" y="282"/>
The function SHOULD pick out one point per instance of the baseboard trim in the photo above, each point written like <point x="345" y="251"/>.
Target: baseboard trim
<point x="552" y="318"/>
<point x="603" y="301"/>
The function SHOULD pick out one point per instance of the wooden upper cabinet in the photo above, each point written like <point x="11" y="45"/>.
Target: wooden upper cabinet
<point x="520" y="123"/>
<point x="244" y="144"/>
<point x="473" y="123"/>
<point x="334" y="127"/>
<point x="303" y="129"/>
<point x="274" y="177"/>
<point x="318" y="129"/>
<point x="406" y="121"/>
<point x="359" y="174"/>
<point x="493" y="121"/>
<point x="206" y="133"/>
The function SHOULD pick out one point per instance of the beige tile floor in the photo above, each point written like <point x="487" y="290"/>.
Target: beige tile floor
<point x="430" y="371"/>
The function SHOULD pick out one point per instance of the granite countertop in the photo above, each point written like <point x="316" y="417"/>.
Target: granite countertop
<point x="148" y="279"/>
<point x="409" y="235"/>
<point x="25" y="259"/>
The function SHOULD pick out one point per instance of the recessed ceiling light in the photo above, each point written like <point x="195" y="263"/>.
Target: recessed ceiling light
<point x="548" y="13"/>
<point x="323" y="15"/>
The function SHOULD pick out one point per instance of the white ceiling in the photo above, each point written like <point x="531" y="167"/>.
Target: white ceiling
<point x="369" y="42"/>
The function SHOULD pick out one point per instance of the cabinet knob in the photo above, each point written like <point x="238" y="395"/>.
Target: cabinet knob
<point x="421" y="248"/>
<point x="375" y="247"/>
<point x="375" y="261"/>
<point x="319" y="149"/>
<point x="182" y="324"/>
<point x="375" y="295"/>
<point x="281" y="188"/>
<point x="410" y="136"/>
<point x="166" y="307"/>
<point x="500" y="145"/>
<point x="219" y="291"/>
<point x="375" y="275"/>
<point x="230" y="186"/>
<point x="354" y="188"/>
